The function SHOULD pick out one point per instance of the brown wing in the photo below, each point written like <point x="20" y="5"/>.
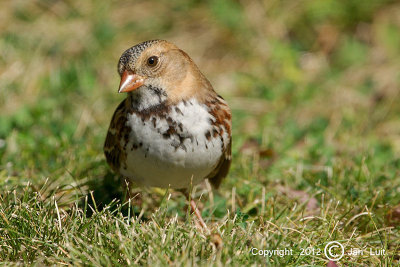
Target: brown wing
<point x="222" y="169"/>
<point x="113" y="150"/>
<point x="219" y="109"/>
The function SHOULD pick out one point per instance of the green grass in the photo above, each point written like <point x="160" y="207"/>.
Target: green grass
<point x="314" y="90"/>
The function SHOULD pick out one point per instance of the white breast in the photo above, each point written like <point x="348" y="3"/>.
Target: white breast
<point x="172" y="150"/>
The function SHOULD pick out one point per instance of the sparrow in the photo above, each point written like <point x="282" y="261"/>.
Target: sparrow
<point x="172" y="130"/>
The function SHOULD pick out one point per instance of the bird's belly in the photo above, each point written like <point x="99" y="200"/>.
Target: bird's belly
<point x="165" y="153"/>
<point x="164" y="166"/>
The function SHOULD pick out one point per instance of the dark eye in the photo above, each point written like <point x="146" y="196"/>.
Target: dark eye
<point x="152" y="61"/>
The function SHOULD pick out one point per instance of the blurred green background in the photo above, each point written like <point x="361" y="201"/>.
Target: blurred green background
<point x="313" y="84"/>
<point x="309" y="80"/>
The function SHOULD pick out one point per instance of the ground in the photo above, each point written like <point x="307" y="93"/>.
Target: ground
<point x="314" y="88"/>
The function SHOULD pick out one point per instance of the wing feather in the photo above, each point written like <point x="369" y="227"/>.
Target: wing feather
<point x="219" y="109"/>
<point x="222" y="169"/>
<point x="113" y="150"/>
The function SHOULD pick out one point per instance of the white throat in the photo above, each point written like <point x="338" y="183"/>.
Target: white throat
<point x="147" y="96"/>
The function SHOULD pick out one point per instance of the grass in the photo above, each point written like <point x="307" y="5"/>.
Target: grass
<point x="314" y="89"/>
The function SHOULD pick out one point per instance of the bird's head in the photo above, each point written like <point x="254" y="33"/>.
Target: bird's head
<point x="162" y="65"/>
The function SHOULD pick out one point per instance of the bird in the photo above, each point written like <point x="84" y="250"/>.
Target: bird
<point x="172" y="130"/>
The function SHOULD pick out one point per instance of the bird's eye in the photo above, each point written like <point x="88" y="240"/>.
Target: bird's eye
<point x="152" y="61"/>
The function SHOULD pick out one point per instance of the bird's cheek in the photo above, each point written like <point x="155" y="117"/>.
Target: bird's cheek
<point x="154" y="82"/>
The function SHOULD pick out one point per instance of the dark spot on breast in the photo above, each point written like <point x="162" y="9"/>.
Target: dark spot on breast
<point x="180" y="126"/>
<point x="154" y="120"/>
<point x="172" y="129"/>
<point x="178" y="110"/>
<point x="134" y="146"/>
<point x="179" y="144"/>
<point x="160" y="111"/>
<point x="167" y="134"/>
<point x="208" y="135"/>
<point x="183" y="147"/>
<point x="215" y="133"/>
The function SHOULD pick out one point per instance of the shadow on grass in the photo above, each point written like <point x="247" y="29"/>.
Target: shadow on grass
<point x="109" y="189"/>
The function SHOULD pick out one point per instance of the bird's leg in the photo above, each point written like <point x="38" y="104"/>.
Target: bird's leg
<point x="195" y="210"/>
